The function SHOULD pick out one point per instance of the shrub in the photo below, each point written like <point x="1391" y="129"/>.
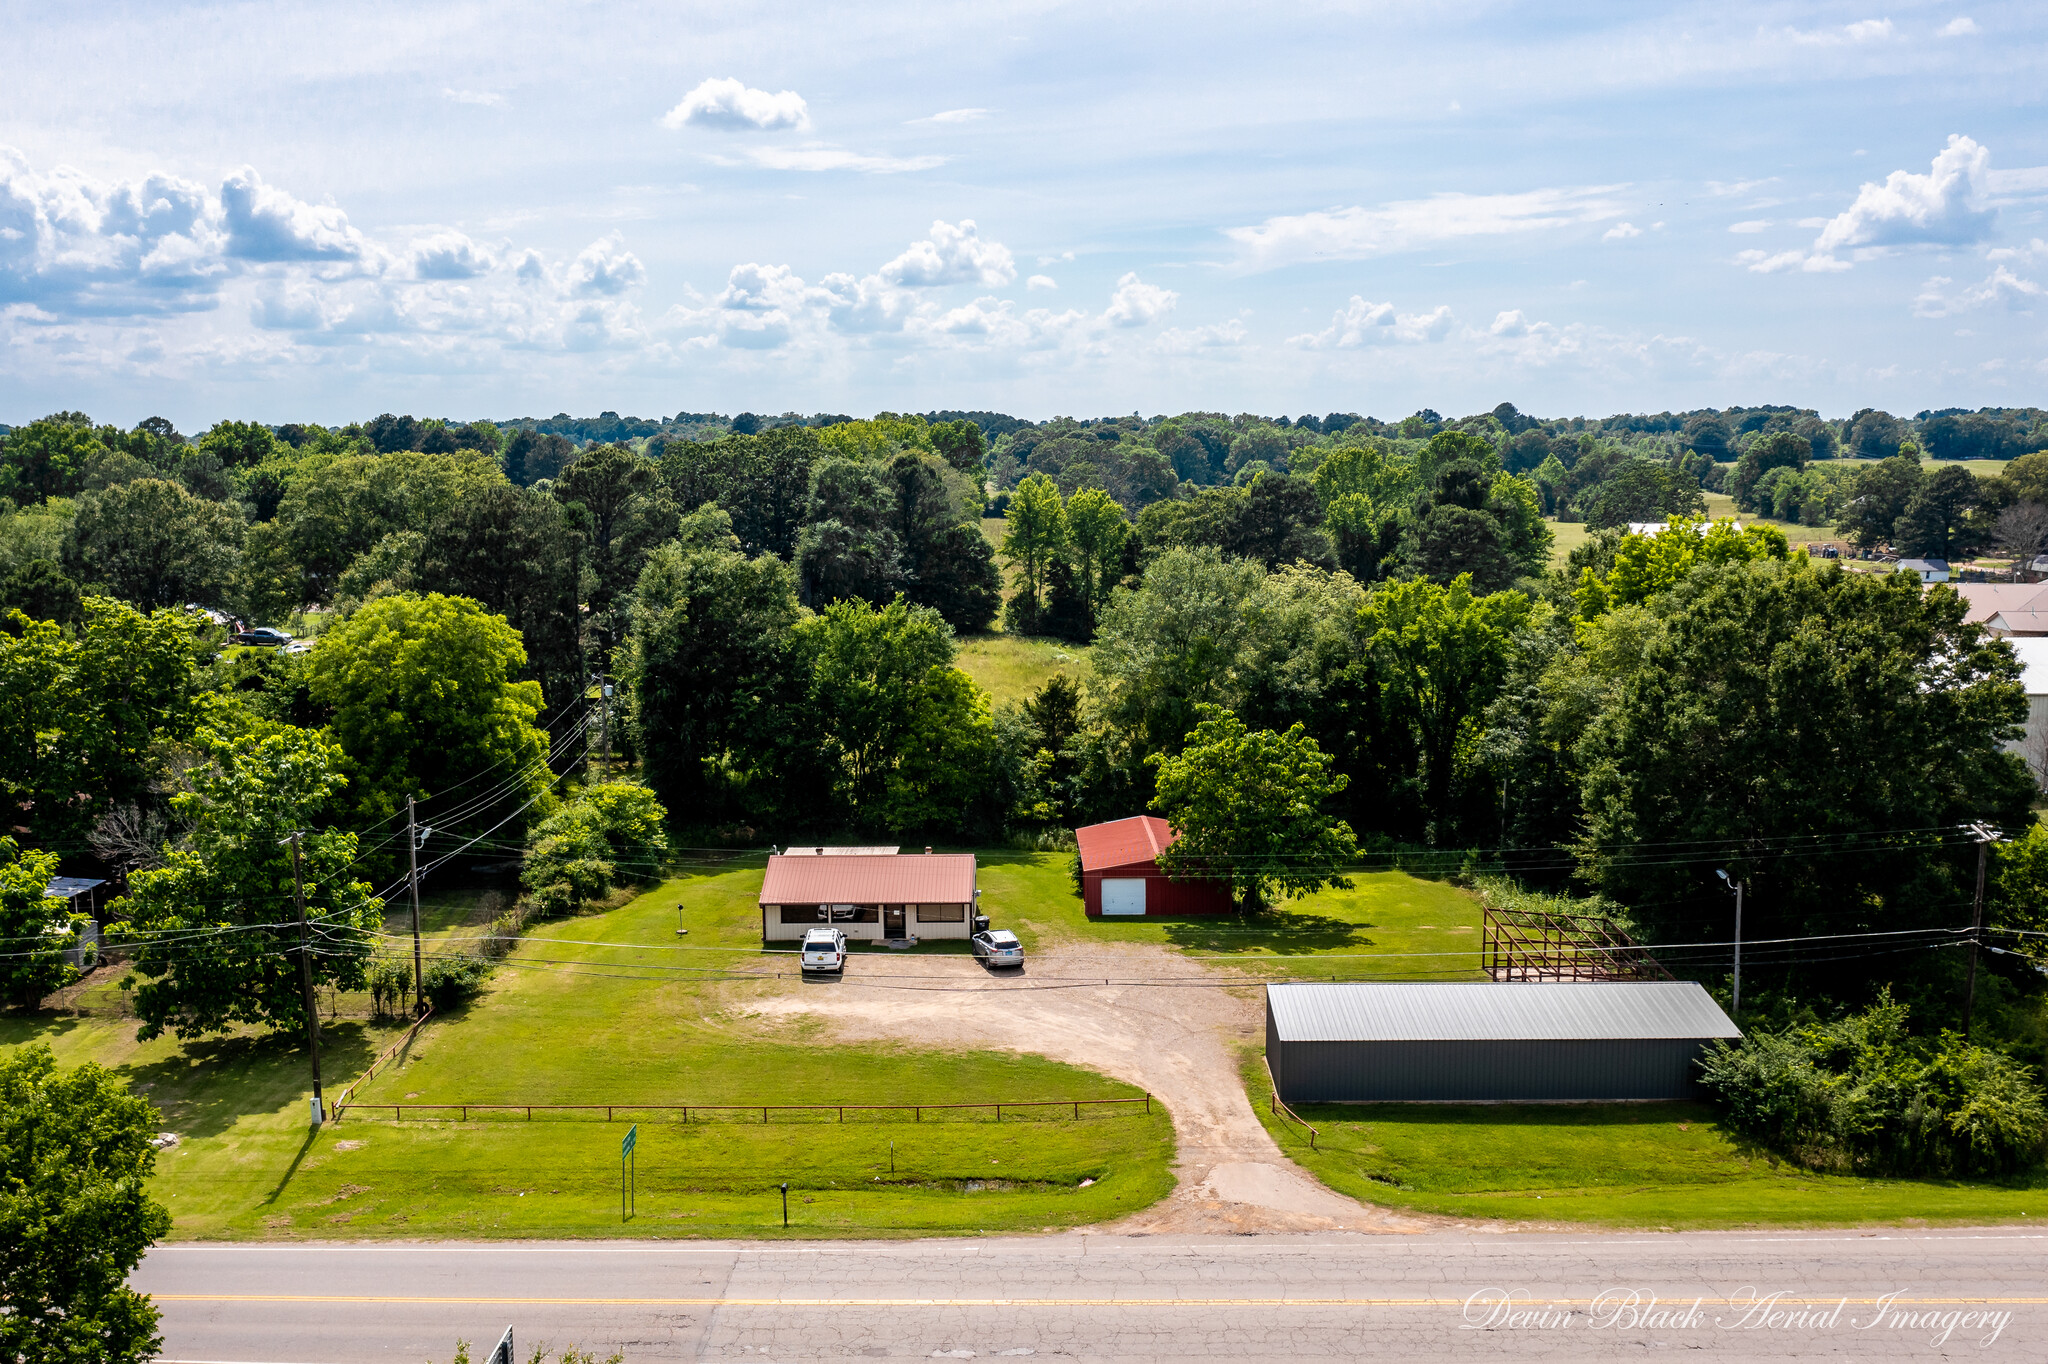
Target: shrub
<point x="607" y="835"/>
<point x="453" y="980"/>
<point x="1862" y="1094"/>
<point x="390" y="981"/>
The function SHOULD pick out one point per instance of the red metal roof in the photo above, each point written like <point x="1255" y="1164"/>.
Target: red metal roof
<point x="904" y="879"/>
<point x="1123" y="842"/>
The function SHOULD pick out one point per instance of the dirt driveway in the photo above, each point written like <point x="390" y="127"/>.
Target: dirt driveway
<point x="1177" y="1036"/>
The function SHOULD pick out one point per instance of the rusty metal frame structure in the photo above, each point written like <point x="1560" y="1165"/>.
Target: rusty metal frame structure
<point x="1535" y="945"/>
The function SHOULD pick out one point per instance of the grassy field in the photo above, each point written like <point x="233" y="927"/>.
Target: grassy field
<point x="1665" y="1165"/>
<point x="620" y="1008"/>
<point x="1389" y="925"/>
<point x="1012" y="668"/>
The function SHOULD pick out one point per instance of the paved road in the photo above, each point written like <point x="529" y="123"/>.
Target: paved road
<point x="1920" y="1295"/>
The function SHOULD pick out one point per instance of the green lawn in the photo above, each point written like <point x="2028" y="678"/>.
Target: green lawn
<point x="619" y="1007"/>
<point x="1390" y="925"/>
<point x="1666" y="1165"/>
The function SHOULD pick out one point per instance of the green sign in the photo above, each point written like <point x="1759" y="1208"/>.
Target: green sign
<point x="632" y="1136"/>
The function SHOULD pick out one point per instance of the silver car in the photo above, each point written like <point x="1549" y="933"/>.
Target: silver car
<point x="998" y="947"/>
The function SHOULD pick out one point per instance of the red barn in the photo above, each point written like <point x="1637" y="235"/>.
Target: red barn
<point x="1120" y="873"/>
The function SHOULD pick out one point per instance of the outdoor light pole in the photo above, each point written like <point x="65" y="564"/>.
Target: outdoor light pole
<point x="1735" y="995"/>
<point x="785" y="1205"/>
<point x="412" y="858"/>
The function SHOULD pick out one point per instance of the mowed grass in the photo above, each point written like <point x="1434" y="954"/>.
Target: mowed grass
<point x="1665" y="1165"/>
<point x="620" y="1008"/>
<point x="1389" y="926"/>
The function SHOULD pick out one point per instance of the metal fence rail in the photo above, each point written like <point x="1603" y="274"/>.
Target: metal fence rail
<point x="1528" y="944"/>
<point x="610" y="1111"/>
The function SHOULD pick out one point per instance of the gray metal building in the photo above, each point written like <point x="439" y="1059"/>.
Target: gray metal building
<point x="1482" y="1041"/>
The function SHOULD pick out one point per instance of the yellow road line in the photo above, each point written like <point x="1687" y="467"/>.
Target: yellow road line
<point x="1063" y="1302"/>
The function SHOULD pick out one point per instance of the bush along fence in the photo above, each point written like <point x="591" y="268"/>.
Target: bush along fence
<point x="730" y="1112"/>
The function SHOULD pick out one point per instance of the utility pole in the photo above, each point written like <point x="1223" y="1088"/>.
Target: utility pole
<point x="604" y="700"/>
<point x="1735" y="996"/>
<point x="412" y="859"/>
<point x="1985" y="837"/>
<point x="306" y="978"/>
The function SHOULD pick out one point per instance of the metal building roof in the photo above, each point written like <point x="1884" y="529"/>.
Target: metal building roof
<point x="906" y="878"/>
<point x="68" y="887"/>
<point x="1483" y="1011"/>
<point x="1123" y="842"/>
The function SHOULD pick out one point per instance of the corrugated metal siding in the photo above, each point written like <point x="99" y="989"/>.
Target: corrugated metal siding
<point x="1162" y="897"/>
<point x="1340" y="1072"/>
<point x="1431" y="1011"/>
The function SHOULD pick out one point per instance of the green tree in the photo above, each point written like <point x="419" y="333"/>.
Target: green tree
<point x="154" y="544"/>
<point x="1782" y="450"/>
<point x="1937" y="522"/>
<point x="1278" y="522"/>
<point x="423" y="699"/>
<point x="516" y="552"/>
<point x="947" y="562"/>
<point x="1034" y="530"/>
<point x="607" y="835"/>
<point x="762" y="482"/>
<point x="1166" y="647"/>
<point x="87" y="720"/>
<point x="48" y="458"/>
<point x="1879" y="497"/>
<point x="76" y="1155"/>
<point x="239" y="445"/>
<point x="709" y="670"/>
<point x="40" y="590"/>
<point x="1802" y="724"/>
<point x="1098" y="532"/>
<point x="1646" y="566"/>
<point x="1247" y="807"/>
<point x="623" y="513"/>
<point x="962" y="445"/>
<point x="850" y="546"/>
<point x="213" y="932"/>
<point x="1444" y="652"/>
<point x="31" y="925"/>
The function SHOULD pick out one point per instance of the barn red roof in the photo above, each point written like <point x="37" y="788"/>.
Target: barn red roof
<point x="904" y="879"/>
<point x="1123" y="842"/>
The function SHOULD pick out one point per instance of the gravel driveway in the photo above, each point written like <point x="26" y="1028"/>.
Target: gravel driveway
<point x="1176" y="1035"/>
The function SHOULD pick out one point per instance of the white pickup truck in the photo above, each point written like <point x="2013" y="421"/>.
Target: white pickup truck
<point x="824" y="950"/>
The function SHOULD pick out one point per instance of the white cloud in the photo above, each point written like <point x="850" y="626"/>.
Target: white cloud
<point x="1752" y="225"/>
<point x="952" y="255"/>
<point x="1357" y="233"/>
<point x="1959" y="27"/>
<point x="267" y="224"/>
<point x="1360" y="323"/>
<point x="2001" y="288"/>
<point x="953" y="116"/>
<point x="1041" y="282"/>
<point x="1621" y="232"/>
<point x="1862" y="31"/>
<point x="2035" y="250"/>
<point x="731" y="106"/>
<point x="489" y="99"/>
<point x="605" y="269"/>
<point x="1135" y="302"/>
<point x="1940" y="208"/>
<point x="448" y="255"/>
<point x="1775" y="262"/>
<point x="2020" y="180"/>
<point x="821" y="157"/>
<point x="1193" y="340"/>
<point x="1721" y="189"/>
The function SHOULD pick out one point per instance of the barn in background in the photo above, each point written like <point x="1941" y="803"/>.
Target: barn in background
<point x="1120" y="873"/>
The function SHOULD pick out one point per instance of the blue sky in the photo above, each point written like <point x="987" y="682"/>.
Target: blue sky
<point x="323" y="212"/>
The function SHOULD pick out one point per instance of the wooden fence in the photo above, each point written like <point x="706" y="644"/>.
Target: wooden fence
<point x="399" y="1111"/>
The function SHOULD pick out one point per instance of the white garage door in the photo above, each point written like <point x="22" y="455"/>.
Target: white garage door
<point x="1123" y="897"/>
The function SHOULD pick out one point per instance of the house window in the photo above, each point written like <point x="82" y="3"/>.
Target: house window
<point x="941" y="914"/>
<point x="855" y="914"/>
<point x="803" y="914"/>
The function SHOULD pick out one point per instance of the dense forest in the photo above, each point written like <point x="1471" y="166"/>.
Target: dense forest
<point x="775" y="606"/>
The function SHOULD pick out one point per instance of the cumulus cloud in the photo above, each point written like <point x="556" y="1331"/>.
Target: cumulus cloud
<point x="1940" y="208"/>
<point x="268" y="224"/>
<point x="1041" y="282"/>
<point x="605" y="269"/>
<point x="953" y="116"/>
<point x="1135" y="302"/>
<point x="2035" y="250"/>
<point x="2000" y="289"/>
<point x="1621" y="232"/>
<point x="732" y="106"/>
<point x="1360" y="323"/>
<point x="951" y="255"/>
<point x="1357" y="233"/>
<point x="448" y="255"/>
<point x="1959" y="27"/>
<point x="1752" y="225"/>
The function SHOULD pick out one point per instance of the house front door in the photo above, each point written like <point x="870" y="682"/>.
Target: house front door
<point x="892" y="921"/>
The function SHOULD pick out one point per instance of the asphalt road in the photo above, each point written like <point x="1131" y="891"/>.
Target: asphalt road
<point x="1842" y="1295"/>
